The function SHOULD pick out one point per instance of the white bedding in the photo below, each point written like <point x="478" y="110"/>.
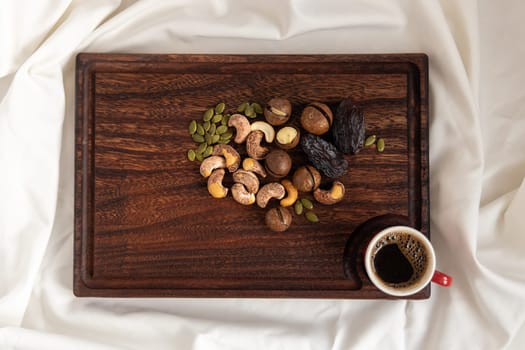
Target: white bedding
<point x="477" y="156"/>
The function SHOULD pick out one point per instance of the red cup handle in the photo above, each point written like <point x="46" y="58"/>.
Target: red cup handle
<point x="441" y="279"/>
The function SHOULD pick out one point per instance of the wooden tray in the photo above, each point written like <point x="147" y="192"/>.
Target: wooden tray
<point x="145" y="225"/>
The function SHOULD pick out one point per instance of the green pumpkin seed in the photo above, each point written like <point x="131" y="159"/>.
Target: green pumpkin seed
<point x="221" y="129"/>
<point x="298" y="207"/>
<point x="380" y="145"/>
<point x="208" y="151"/>
<point x="307" y="203"/>
<point x="311" y="216"/>
<point x="370" y="140"/>
<point x="208" y="114"/>
<point x="200" y="130"/>
<point x="197" y="138"/>
<point x="192" y="128"/>
<point x="217" y="118"/>
<point x="201" y="148"/>
<point x="191" y="155"/>
<point x="215" y="138"/>
<point x="220" y="108"/>
<point x="212" y="129"/>
<point x="257" y="108"/>
<point x="206" y="126"/>
<point x="223" y="142"/>
<point x="227" y="135"/>
<point x="249" y="112"/>
<point x="225" y="119"/>
<point x="242" y="107"/>
<point x="208" y="139"/>
<point x="199" y="157"/>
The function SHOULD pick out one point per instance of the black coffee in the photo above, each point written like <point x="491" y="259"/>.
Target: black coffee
<point x="400" y="259"/>
<point x="392" y="265"/>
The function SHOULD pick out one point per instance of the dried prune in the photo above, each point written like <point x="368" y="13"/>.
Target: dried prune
<point x="348" y="130"/>
<point x="324" y="156"/>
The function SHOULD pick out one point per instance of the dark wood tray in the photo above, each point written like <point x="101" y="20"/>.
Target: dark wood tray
<point x="145" y="225"/>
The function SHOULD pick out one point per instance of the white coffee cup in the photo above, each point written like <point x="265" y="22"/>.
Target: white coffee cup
<point x="416" y="249"/>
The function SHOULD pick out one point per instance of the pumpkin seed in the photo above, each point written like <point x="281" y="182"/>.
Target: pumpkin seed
<point x="307" y="203"/>
<point x="200" y="130"/>
<point x="197" y="138"/>
<point x="221" y="129"/>
<point x="208" y="114"/>
<point x="311" y="216"/>
<point x="208" y="151"/>
<point x="199" y="157"/>
<point x="217" y="118"/>
<point x="370" y="140"/>
<point x="215" y="138"/>
<point x="257" y="108"/>
<point x="201" y="148"/>
<point x="380" y="145"/>
<point x="227" y="135"/>
<point x="191" y="155"/>
<point x="225" y="119"/>
<point x="298" y="207"/>
<point x="249" y="112"/>
<point x="212" y="129"/>
<point x="192" y="128"/>
<point x="221" y="141"/>
<point x="242" y="107"/>
<point x="208" y="138"/>
<point x="220" y="108"/>
<point x="206" y="126"/>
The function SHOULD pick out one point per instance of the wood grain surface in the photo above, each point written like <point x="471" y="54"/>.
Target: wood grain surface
<point x="145" y="225"/>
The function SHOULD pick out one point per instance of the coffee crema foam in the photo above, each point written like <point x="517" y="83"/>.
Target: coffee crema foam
<point x="413" y="250"/>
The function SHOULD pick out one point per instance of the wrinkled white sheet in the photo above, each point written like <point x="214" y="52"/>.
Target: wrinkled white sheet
<point x="477" y="145"/>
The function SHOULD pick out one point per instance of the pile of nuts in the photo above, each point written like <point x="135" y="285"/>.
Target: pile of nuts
<point x="262" y="175"/>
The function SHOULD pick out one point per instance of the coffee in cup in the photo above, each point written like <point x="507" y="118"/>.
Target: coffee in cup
<point x="401" y="261"/>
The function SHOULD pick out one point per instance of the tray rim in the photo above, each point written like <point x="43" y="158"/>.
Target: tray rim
<point x="88" y="63"/>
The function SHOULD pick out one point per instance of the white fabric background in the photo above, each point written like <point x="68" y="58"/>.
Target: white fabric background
<point x="477" y="157"/>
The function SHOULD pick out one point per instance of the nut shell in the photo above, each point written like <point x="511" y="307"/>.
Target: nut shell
<point x="306" y="178"/>
<point x="285" y="139"/>
<point x="317" y="118"/>
<point x="278" y="163"/>
<point x="277" y="111"/>
<point x="278" y="219"/>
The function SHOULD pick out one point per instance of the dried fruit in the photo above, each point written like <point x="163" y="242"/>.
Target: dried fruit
<point x="324" y="156"/>
<point x="348" y="130"/>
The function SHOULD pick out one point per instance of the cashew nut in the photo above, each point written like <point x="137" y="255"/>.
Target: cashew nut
<point x="215" y="187"/>
<point x="292" y="194"/>
<point x="250" y="164"/>
<point x="267" y="129"/>
<point x="248" y="179"/>
<point x="241" y="195"/>
<point x="241" y="125"/>
<point x="269" y="191"/>
<point x="253" y="145"/>
<point x="331" y="196"/>
<point x="232" y="157"/>
<point x="209" y="164"/>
